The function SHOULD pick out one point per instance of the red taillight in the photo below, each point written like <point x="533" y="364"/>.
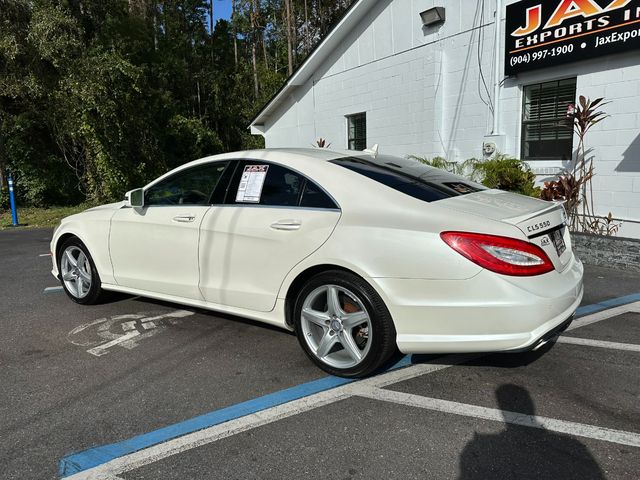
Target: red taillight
<point x="503" y="255"/>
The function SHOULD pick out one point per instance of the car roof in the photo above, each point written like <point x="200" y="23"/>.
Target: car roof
<point x="348" y="188"/>
<point x="276" y="153"/>
<point x="290" y="157"/>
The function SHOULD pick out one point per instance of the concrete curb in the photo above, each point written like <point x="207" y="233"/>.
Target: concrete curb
<point x="602" y="251"/>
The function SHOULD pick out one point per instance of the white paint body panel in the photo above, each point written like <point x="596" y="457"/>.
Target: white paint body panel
<point x="243" y="260"/>
<point x="152" y="251"/>
<point x="93" y="227"/>
<point x="237" y="264"/>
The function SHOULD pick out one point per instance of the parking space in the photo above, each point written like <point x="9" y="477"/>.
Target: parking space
<point x="344" y="440"/>
<point x="566" y="382"/>
<point x="623" y="328"/>
<point x="56" y="398"/>
<point x="154" y="390"/>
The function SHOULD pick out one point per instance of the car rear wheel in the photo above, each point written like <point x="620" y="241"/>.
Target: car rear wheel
<point x="343" y="325"/>
<point x="78" y="273"/>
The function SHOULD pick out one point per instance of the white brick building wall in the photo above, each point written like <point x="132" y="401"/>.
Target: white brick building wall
<point x="422" y="92"/>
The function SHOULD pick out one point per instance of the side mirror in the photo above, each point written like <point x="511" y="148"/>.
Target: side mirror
<point x="135" y="198"/>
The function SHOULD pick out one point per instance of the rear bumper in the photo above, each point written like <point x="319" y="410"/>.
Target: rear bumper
<point x="486" y="313"/>
<point x="547" y="337"/>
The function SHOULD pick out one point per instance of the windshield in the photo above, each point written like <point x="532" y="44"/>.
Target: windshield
<point x="410" y="177"/>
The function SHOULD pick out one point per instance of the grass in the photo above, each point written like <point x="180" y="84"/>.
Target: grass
<point x="32" y="217"/>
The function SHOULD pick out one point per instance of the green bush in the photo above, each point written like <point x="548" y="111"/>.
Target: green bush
<point x="502" y="172"/>
<point x="505" y="173"/>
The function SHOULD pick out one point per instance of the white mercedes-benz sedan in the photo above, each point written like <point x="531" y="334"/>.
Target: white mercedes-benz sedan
<point x="358" y="253"/>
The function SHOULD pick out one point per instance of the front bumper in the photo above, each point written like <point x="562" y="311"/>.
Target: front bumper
<point x="486" y="313"/>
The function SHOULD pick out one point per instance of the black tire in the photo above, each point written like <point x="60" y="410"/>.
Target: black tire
<point x="383" y="334"/>
<point x="95" y="294"/>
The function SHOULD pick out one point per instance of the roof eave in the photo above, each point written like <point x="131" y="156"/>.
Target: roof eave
<point x="319" y="54"/>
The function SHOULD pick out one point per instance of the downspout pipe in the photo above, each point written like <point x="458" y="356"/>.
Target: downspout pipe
<point x="498" y="66"/>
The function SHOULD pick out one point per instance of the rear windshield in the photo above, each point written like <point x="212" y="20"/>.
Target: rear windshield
<point x="411" y="177"/>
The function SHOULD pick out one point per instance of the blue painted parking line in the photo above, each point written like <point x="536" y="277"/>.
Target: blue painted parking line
<point x="96" y="456"/>
<point x="614" y="302"/>
<point x="93" y="457"/>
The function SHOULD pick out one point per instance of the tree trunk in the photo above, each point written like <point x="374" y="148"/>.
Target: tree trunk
<point x="199" y="100"/>
<point x="307" y="46"/>
<point x="288" y="10"/>
<point x="3" y="174"/>
<point x="211" y="27"/>
<point x="155" y="26"/>
<point x="254" y="41"/>
<point x="3" y="159"/>
<point x="294" y="32"/>
<point x="264" y="49"/>
<point x="265" y="53"/>
<point x="254" y="63"/>
<point x="235" y="32"/>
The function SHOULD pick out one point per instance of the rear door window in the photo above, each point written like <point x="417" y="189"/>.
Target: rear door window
<point x="314" y="197"/>
<point x="269" y="184"/>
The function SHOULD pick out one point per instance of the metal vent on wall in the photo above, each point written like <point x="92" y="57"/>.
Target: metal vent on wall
<point x="546" y="170"/>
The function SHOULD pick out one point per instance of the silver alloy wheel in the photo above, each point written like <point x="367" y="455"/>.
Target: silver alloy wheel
<point x="76" y="271"/>
<point x="336" y="326"/>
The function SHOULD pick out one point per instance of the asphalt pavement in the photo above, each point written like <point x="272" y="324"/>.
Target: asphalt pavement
<point x="70" y="382"/>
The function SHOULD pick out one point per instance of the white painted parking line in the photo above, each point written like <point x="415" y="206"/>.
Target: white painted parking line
<point x="44" y="255"/>
<point x="108" y="332"/>
<point x="202" y="437"/>
<point x="371" y="388"/>
<point x="53" y="289"/>
<point x="212" y="434"/>
<point x="603" y="315"/>
<point x="102" y="349"/>
<point x="366" y="388"/>
<point x="417" y="370"/>
<point x="588" y="342"/>
<point x="534" y="421"/>
<point x="127" y="326"/>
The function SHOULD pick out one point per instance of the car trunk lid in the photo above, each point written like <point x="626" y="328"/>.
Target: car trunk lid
<point x="544" y="223"/>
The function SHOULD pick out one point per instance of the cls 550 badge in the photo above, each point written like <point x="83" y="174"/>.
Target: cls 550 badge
<point x="538" y="226"/>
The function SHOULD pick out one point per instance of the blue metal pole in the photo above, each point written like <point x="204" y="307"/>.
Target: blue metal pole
<point x="12" y="201"/>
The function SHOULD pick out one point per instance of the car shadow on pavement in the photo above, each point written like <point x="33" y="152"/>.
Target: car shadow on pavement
<point x="525" y="452"/>
<point x="500" y="359"/>
<point x="213" y="314"/>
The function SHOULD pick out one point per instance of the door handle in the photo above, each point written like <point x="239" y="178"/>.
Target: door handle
<point x="184" y="218"/>
<point x="287" y="225"/>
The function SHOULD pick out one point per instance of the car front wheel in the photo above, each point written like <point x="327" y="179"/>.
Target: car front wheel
<point x="343" y="324"/>
<point x="78" y="273"/>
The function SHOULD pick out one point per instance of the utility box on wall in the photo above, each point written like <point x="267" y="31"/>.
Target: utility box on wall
<point x="493" y="145"/>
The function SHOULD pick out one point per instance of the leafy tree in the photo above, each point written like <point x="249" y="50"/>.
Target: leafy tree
<point x="100" y="96"/>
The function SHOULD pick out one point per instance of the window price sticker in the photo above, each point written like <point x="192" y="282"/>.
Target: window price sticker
<point x="251" y="183"/>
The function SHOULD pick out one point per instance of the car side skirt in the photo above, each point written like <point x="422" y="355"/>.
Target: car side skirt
<point x="275" y="317"/>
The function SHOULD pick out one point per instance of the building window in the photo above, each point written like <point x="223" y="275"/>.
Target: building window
<point x="357" y="131"/>
<point x="546" y="133"/>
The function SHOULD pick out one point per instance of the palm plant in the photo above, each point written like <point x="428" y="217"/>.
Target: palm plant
<point x="574" y="187"/>
<point x="584" y="117"/>
<point x="459" y="168"/>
